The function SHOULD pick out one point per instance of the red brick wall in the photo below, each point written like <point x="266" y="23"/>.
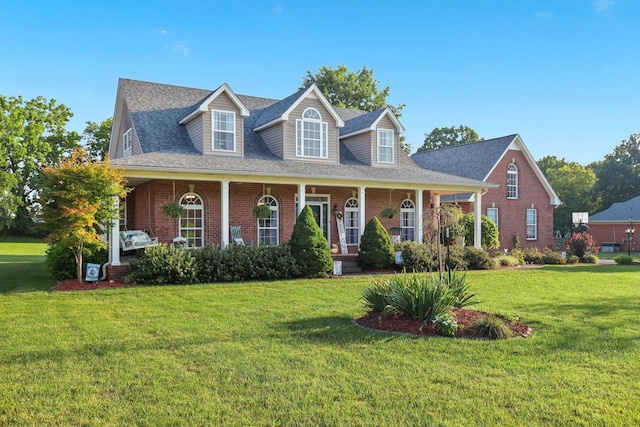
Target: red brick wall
<point x="614" y="233"/>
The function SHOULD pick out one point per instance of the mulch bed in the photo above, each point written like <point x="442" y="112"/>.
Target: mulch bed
<point x="464" y="318"/>
<point x="73" y="285"/>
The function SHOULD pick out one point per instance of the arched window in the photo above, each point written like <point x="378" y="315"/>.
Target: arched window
<point x="268" y="227"/>
<point x="407" y="220"/>
<point x="311" y="135"/>
<point x="352" y="221"/>
<point x="191" y="222"/>
<point x="512" y="181"/>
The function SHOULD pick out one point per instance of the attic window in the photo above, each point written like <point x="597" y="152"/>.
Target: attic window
<point x="311" y="135"/>
<point x="385" y="146"/>
<point x="224" y="130"/>
<point x="127" y="144"/>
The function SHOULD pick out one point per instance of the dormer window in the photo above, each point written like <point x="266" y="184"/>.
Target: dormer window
<point x="127" y="144"/>
<point x="512" y="181"/>
<point x="385" y="146"/>
<point x="311" y="135"/>
<point x="224" y="130"/>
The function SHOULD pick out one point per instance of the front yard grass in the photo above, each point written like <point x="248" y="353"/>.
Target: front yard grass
<point x="286" y="353"/>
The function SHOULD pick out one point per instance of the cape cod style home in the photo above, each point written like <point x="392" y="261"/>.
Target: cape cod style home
<point x="219" y="154"/>
<point x="524" y="202"/>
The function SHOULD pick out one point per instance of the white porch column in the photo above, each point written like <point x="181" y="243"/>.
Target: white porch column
<point x="419" y="218"/>
<point x="225" y="214"/>
<point x="302" y="196"/>
<point x="114" y="239"/>
<point x="477" y="220"/>
<point x="362" y="204"/>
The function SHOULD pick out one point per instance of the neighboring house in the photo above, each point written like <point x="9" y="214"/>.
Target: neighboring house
<point x="521" y="206"/>
<point x="219" y="154"/>
<point x="610" y="227"/>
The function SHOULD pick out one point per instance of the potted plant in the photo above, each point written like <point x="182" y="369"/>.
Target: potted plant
<point x="262" y="211"/>
<point x="173" y="210"/>
<point x="388" y="212"/>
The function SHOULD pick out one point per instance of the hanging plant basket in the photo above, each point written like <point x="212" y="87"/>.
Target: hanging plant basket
<point x="262" y="211"/>
<point x="388" y="212"/>
<point x="173" y="210"/>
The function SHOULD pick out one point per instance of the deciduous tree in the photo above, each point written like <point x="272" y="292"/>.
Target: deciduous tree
<point x="78" y="195"/>
<point x="96" y="138"/>
<point x="449" y="137"/>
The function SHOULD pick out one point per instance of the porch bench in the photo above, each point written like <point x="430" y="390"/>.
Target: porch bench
<point x="132" y="240"/>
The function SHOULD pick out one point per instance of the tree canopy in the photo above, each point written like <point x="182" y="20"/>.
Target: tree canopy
<point x="449" y="137"/>
<point x="97" y="137"/>
<point x="78" y="198"/>
<point x="574" y="184"/>
<point x="32" y="134"/>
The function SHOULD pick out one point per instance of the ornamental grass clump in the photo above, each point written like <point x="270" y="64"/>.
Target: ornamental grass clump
<point x="492" y="327"/>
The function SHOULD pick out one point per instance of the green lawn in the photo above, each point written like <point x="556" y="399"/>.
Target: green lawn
<point x="286" y="353"/>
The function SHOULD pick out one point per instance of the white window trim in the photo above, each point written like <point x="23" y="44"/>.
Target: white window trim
<point x="196" y="208"/>
<point x="300" y="136"/>
<point x="404" y="214"/>
<point x="513" y="172"/>
<point x="349" y="208"/>
<point x="127" y="143"/>
<point x="274" y="208"/>
<point x="214" y="130"/>
<point x="496" y="221"/>
<point x="534" y="224"/>
<point x="380" y="147"/>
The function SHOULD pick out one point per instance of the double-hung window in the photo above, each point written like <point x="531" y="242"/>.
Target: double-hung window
<point x="127" y="143"/>
<point x="385" y="146"/>
<point x="492" y="214"/>
<point x="532" y="224"/>
<point x="224" y="130"/>
<point x="268" y="227"/>
<point x="352" y="221"/>
<point x="512" y="181"/>
<point x="311" y="135"/>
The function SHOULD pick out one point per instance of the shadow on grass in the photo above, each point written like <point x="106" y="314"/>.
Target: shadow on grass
<point x="337" y="330"/>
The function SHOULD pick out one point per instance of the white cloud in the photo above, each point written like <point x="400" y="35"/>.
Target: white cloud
<point x="182" y="49"/>
<point x="602" y="5"/>
<point x="164" y="32"/>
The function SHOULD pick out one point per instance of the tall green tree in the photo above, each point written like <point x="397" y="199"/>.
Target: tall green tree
<point x="78" y="196"/>
<point x="575" y="186"/>
<point x="358" y="90"/>
<point x="32" y="134"/>
<point x="618" y="175"/>
<point x="449" y="137"/>
<point x="96" y="137"/>
<point x="309" y="247"/>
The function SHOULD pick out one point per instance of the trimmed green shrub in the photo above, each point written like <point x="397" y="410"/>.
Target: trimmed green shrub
<point x="492" y="327"/>
<point x="421" y="258"/>
<point x="507" y="261"/>
<point x="623" y="259"/>
<point x="478" y="259"/>
<point x="519" y="255"/>
<point x="533" y="256"/>
<point x="572" y="259"/>
<point x="550" y="257"/>
<point x="163" y="265"/>
<point x="590" y="259"/>
<point x="489" y="235"/>
<point x="61" y="263"/>
<point x="376" y="250"/>
<point x="309" y="247"/>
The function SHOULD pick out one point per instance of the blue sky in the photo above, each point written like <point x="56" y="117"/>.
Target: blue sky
<point x="565" y="75"/>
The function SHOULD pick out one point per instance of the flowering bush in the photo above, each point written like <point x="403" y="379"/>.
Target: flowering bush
<point x="446" y="324"/>
<point x="582" y="244"/>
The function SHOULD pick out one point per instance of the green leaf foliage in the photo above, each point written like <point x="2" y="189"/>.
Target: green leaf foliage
<point x="163" y="265"/>
<point x="376" y="249"/>
<point x="309" y="247"/>
<point x="490" y="237"/>
<point x="449" y="137"/>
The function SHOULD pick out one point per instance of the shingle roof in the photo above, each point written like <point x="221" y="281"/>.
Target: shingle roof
<point x="474" y="160"/>
<point x="361" y="122"/>
<point x="157" y="108"/>
<point x="619" y="212"/>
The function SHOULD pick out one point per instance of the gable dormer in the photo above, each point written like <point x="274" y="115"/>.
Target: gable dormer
<point x="302" y="127"/>
<point x="374" y="138"/>
<point x="216" y="125"/>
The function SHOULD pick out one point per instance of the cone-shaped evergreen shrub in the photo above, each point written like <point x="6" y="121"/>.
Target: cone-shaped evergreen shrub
<point x="376" y="250"/>
<point x="309" y="247"/>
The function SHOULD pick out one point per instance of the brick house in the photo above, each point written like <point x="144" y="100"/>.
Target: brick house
<point x="219" y="154"/>
<point x="524" y="202"/>
<point x="609" y="227"/>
